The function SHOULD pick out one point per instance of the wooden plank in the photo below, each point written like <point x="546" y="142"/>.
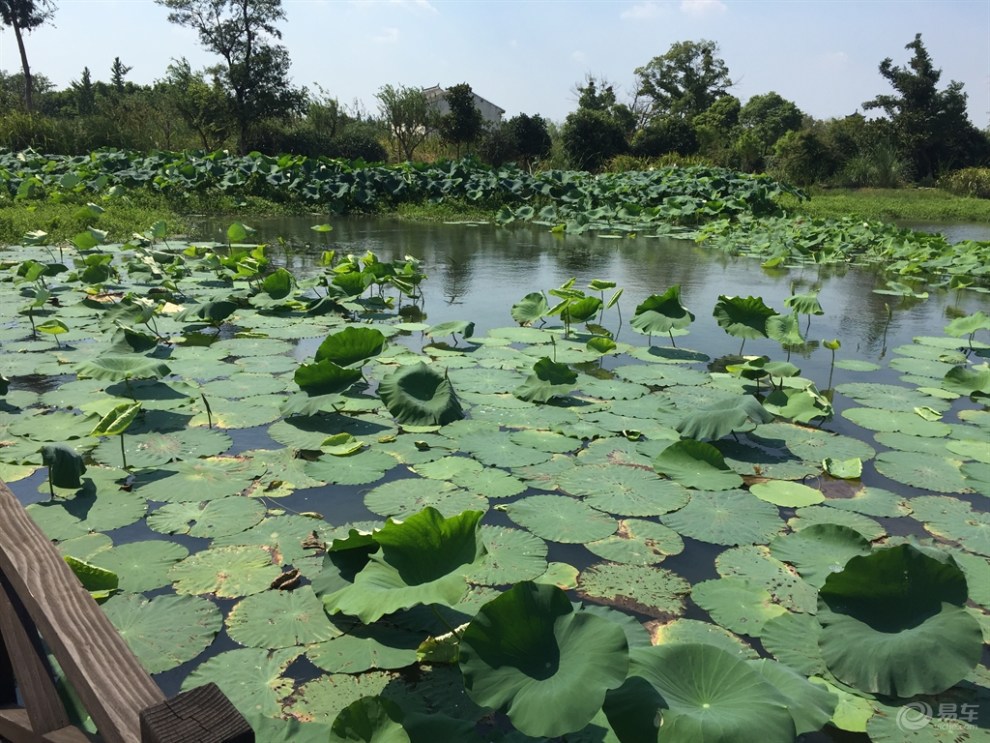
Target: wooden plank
<point x="8" y="686"/>
<point x="201" y="715"/>
<point x="35" y="678"/>
<point x="15" y="727"/>
<point x="97" y="662"/>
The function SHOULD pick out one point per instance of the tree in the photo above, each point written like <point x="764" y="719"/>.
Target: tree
<point x="462" y="123"/>
<point x="716" y="128"/>
<point x="685" y="81"/>
<point x="765" y="119"/>
<point x="591" y="138"/>
<point x="408" y="114"/>
<point x="85" y="94"/>
<point x="202" y="105"/>
<point x="24" y="16"/>
<point x="530" y="137"/>
<point x="118" y="71"/>
<point x="254" y="71"/>
<point x="599" y="95"/>
<point x="931" y="127"/>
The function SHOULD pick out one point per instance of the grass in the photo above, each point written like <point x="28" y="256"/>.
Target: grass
<point x="900" y="204"/>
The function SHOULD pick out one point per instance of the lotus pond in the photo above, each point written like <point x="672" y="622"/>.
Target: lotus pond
<point x="400" y="482"/>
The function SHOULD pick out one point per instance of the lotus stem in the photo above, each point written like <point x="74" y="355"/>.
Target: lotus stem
<point x="670" y="332"/>
<point x="51" y="487"/>
<point x="831" y="368"/>
<point x="123" y="454"/>
<point x="209" y="413"/>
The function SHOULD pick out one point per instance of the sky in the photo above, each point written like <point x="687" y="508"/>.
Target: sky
<point x="528" y="56"/>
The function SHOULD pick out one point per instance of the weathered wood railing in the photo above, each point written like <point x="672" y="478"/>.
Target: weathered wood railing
<point x="43" y="606"/>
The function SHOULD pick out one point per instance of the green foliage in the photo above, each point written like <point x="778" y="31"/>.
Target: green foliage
<point x="972" y="182"/>
<point x="462" y="123"/>
<point x="591" y="138"/>
<point x="419" y="395"/>
<point x="408" y="114"/>
<point x="684" y="81"/>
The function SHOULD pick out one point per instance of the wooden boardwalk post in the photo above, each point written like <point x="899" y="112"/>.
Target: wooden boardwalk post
<point x="43" y="605"/>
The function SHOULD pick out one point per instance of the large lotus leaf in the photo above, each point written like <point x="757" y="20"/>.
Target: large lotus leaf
<point x="252" y="679"/>
<point x="530" y="308"/>
<point x="281" y="536"/>
<point x="694" y="631"/>
<point x="301" y="620"/>
<point x="924" y="471"/>
<point x="623" y="490"/>
<point x="736" y="604"/>
<point x="228" y="572"/>
<point x="820" y="550"/>
<point x="968" y="380"/>
<point x="364" y="647"/>
<point x="65" y="465"/>
<point x="785" y="329"/>
<point x="152" y="449"/>
<point x="511" y="555"/>
<point x="166" y="631"/>
<point x="954" y="519"/>
<point x="358" y="469"/>
<point x="419" y="395"/>
<point x="811" y="706"/>
<point x="549" y="379"/>
<point x="890" y="396"/>
<point x="805" y="517"/>
<point x="787" y="494"/>
<point x="659" y="313"/>
<point x="204" y="479"/>
<point x="733" y="517"/>
<point x="647" y="590"/>
<point x="370" y="720"/>
<point x="498" y="450"/>
<point x="528" y="652"/>
<point x="805" y="304"/>
<point x="792" y="639"/>
<point x="351" y="345"/>
<point x="893" y="623"/>
<point x="798" y="405"/>
<point x="965" y="718"/>
<point x="142" y="566"/>
<point x="638" y="542"/>
<point x="968" y="325"/>
<point x="57" y="426"/>
<point x="696" y="464"/>
<point x="711" y="696"/>
<point x="423" y="560"/>
<point x="731" y="414"/>
<point x="217" y="518"/>
<point x="743" y="317"/>
<point x="325" y="378"/>
<point x="812" y="444"/>
<point x="755" y="564"/>
<point x="560" y="519"/>
<point x="870" y="501"/>
<point x="243" y="384"/>
<point x="118" y="368"/>
<point x="580" y="309"/>
<point x="464" y="327"/>
<point x="407" y="496"/>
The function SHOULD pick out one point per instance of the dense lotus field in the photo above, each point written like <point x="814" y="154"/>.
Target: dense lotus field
<point x="363" y="527"/>
<point x="731" y="211"/>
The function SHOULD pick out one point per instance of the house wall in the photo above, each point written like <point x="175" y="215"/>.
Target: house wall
<point x="490" y="113"/>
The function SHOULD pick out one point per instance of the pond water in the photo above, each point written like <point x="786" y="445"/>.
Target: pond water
<point x="475" y="273"/>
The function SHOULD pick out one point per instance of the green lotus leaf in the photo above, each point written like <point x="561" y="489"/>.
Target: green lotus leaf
<point x="498" y="450"/>
<point x="819" y="550"/>
<point x="871" y="502"/>
<point x="755" y="564"/>
<point x="805" y="304"/>
<point x="358" y="469"/>
<point x="281" y="536"/>
<point x="213" y="313"/>
<point x="325" y="378"/>
<point x="464" y="327"/>
<point x="529" y="651"/>
<point x="419" y="395"/>
<point x="351" y="345"/>
<point x="252" y="679"/>
<point x="511" y="555"/>
<point x="785" y="329"/>
<point x="852" y="711"/>
<point x="210" y="519"/>
<point x="99" y="581"/>
<point x="166" y="631"/>
<point x="743" y="317"/>
<point x="890" y="397"/>
<point x="423" y="560"/>
<point x="736" y="604"/>
<point x="792" y="639"/>
<point x="406" y="496"/>
<point x="52" y="327"/>
<point x="911" y="423"/>
<point x="927" y="471"/>
<point x="278" y="283"/>
<point x="228" y="572"/>
<point x="560" y="519"/>
<point x="579" y="309"/>
<point x="601" y="345"/>
<point x="647" y="590"/>
<point x="153" y="449"/>
<point x="530" y="308"/>
<point x="967" y="380"/>
<point x="787" y="494"/>
<point x="732" y="517"/>
<point x="142" y="566"/>
<point x="894" y="623"/>
<point x="825" y="514"/>
<point x="812" y="444"/>
<point x="57" y="426"/>
<point x="742" y="413"/>
<point x="696" y="464"/>
<point x="660" y="313"/>
<point x="117" y="420"/>
<point x="968" y="325"/>
<point x="710" y="696"/>
<point x="844" y="469"/>
<point x="694" y="631"/>
<point x="638" y="542"/>
<point x="119" y="368"/>
<point x="549" y="379"/>
<point x="370" y="720"/>
<point x="203" y="479"/>
<point x="366" y="647"/>
<point x="811" y="706"/>
<point x="65" y="465"/>
<point x="301" y="620"/>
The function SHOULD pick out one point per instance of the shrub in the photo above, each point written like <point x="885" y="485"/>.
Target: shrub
<point x="973" y="182"/>
<point x="591" y="138"/>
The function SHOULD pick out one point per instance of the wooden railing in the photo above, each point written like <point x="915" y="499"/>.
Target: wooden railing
<point x="44" y="609"/>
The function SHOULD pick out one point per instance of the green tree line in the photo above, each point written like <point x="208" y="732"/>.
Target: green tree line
<point x="682" y="109"/>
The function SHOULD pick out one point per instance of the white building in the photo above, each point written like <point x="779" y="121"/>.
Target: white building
<point x="490" y="113"/>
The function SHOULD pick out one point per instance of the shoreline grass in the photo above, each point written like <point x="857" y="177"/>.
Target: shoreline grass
<point x="890" y="205"/>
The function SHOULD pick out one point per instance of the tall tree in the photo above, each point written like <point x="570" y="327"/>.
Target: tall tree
<point x="931" y="126"/>
<point x="462" y="123"/>
<point x="85" y="93"/>
<point x="530" y="137"/>
<point x="118" y="71"/>
<point x="254" y="71"/>
<point x="24" y="16"/>
<point x="684" y="82"/>
<point x="408" y="115"/>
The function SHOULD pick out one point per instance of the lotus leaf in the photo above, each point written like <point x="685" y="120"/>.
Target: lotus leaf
<point x="228" y="572"/>
<point x="423" y="560"/>
<point x="499" y="451"/>
<point x="660" y="313"/>
<point x="549" y="379"/>
<point x="196" y="480"/>
<point x="785" y="329"/>
<point x="743" y="317"/>
<point x="696" y="464"/>
<point x="805" y="517"/>
<point x="419" y="395"/>
<point x="707" y="695"/>
<point x="216" y="518"/>
<point x="845" y="469"/>
<point x="252" y="679"/>
<point x="118" y="368"/>
<point x="366" y="647"/>
<point x="65" y="465"/>
<point x="100" y="582"/>
<point x="871" y="502"/>
<point x="647" y="590"/>
<point x="300" y="620"/>
<point x="798" y="405"/>
<point x="786" y="494"/>
<point x="142" y="566"/>
<point x="819" y="550"/>
<point x="560" y="519"/>
<point x="325" y="378"/>
<point x="893" y="623"/>
<point x="529" y="651"/>
<point x="358" y="469"/>
<point x="732" y="517"/>
<point x="369" y="719"/>
<point x="152" y="449"/>
<point x="351" y="345"/>
<point x="925" y="471"/>
<point x="876" y="419"/>
<point x="726" y="416"/>
<point x="282" y="537"/>
<point x="638" y="542"/>
<point x="166" y="631"/>
<point x="792" y="638"/>
<point x="694" y="631"/>
<point x="969" y="380"/>
<point x="530" y="308"/>
<point x="404" y="497"/>
<point x="811" y="706"/>
<point x="117" y="420"/>
<point x="755" y="564"/>
<point x="736" y="604"/>
<point x="955" y="520"/>
<point x="511" y="555"/>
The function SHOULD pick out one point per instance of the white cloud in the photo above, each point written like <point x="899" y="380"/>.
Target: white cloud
<point x="388" y="35"/>
<point x="642" y="11"/>
<point x="701" y="8"/>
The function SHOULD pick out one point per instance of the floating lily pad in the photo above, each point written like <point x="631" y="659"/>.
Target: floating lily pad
<point x="142" y="566"/>
<point x="755" y="564"/>
<point x="736" y="604"/>
<point x="357" y="469"/>
<point x="787" y="494"/>
<point x="217" y="518"/>
<point x="282" y="537"/>
<point x="792" y="638"/>
<point x="499" y="451"/>
<point x="407" y="496"/>
<point x="511" y="556"/>
<point x="166" y="631"/>
<point x="696" y="464"/>
<point x="366" y="647"/>
<point x="153" y="449"/>
<point x="643" y="589"/>
<point x="924" y="471"/>
<point x="819" y="550"/>
<point x="691" y="631"/>
<point x="731" y="517"/>
<point x="300" y="620"/>
<point x="805" y="517"/>
<point x="638" y="542"/>
<point x="196" y="480"/>
<point x="228" y="572"/>
<point x="876" y="419"/>
<point x="252" y="679"/>
<point x="560" y="519"/>
<point x="954" y="520"/>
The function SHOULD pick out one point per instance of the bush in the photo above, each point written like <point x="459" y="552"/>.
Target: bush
<point x="592" y="138"/>
<point x="497" y="146"/>
<point x="666" y="135"/>
<point x="973" y="182"/>
<point x="357" y="145"/>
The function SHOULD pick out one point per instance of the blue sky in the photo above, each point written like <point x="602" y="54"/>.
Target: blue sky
<point x="528" y="55"/>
